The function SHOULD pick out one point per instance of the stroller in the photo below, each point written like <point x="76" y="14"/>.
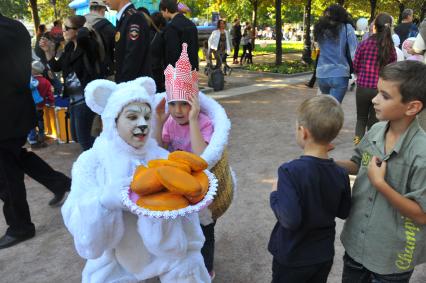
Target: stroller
<point x="216" y="73"/>
<point x="220" y="58"/>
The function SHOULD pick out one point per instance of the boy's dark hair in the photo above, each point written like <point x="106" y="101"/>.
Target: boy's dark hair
<point x="144" y="10"/>
<point x="170" y="5"/>
<point x="323" y="116"/>
<point x="410" y="77"/>
<point x="77" y="21"/>
<point x="158" y="20"/>
<point x="97" y="8"/>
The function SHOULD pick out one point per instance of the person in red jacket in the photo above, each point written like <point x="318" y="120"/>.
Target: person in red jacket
<point x="36" y="138"/>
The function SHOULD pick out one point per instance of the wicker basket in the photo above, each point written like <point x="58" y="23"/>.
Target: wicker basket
<point x="225" y="187"/>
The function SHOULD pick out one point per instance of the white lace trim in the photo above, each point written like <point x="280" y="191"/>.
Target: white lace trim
<point x="172" y="214"/>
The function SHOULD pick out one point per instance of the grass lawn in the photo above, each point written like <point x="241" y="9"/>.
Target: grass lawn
<point x="288" y="67"/>
<point x="288" y="47"/>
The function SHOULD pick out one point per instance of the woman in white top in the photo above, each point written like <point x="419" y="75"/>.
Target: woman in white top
<point x="220" y="44"/>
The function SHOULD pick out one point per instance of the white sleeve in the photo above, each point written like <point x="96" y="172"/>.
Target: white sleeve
<point x="419" y="44"/>
<point x="212" y="42"/>
<point x="94" y="228"/>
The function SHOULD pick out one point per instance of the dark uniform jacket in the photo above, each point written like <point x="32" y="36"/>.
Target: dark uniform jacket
<point x="17" y="109"/>
<point x="179" y="30"/>
<point x="132" y="45"/>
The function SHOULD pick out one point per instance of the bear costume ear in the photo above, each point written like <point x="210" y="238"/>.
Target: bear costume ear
<point x="147" y="83"/>
<point x="97" y="94"/>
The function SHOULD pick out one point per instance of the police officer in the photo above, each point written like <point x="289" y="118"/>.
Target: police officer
<point x="132" y="42"/>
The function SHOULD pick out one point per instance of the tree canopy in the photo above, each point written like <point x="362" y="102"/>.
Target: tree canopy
<point x="291" y="11"/>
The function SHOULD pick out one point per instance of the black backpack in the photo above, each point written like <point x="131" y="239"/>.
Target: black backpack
<point x="216" y="79"/>
<point x="104" y="64"/>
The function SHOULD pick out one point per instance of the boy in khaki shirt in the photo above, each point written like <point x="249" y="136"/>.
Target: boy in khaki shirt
<point x="385" y="233"/>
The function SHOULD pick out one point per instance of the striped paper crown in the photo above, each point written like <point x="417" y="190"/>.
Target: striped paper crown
<point x="182" y="81"/>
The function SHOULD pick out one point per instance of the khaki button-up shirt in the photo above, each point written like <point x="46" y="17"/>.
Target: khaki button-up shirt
<point x="375" y="233"/>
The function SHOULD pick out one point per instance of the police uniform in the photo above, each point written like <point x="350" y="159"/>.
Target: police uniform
<point x="131" y="49"/>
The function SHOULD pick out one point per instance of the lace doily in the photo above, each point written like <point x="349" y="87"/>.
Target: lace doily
<point x="129" y="199"/>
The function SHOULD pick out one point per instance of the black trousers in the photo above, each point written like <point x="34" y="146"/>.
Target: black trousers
<point x="355" y="272"/>
<point x="236" y="44"/>
<point x="365" y="113"/>
<point x="311" y="82"/>
<point x="316" y="273"/>
<point x="15" y="161"/>
<point x="247" y="54"/>
<point x="208" y="248"/>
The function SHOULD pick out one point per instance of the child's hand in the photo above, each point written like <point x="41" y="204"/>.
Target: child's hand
<point x="160" y="111"/>
<point x="195" y="108"/>
<point x="376" y="171"/>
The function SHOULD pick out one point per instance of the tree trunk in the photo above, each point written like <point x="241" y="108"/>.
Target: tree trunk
<point x="34" y="11"/>
<point x="55" y="11"/>
<point x="341" y="2"/>
<point x="423" y="11"/>
<point x="306" y="56"/>
<point x="373" y="5"/>
<point x="254" y="21"/>
<point x="279" y="33"/>
<point x="401" y="7"/>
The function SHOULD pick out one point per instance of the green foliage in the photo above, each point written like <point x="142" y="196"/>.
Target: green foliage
<point x="47" y="12"/>
<point x="288" y="47"/>
<point x="288" y="67"/>
<point x="17" y="9"/>
<point x="292" y="11"/>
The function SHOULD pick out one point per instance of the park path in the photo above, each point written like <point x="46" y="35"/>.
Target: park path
<point x="262" y="137"/>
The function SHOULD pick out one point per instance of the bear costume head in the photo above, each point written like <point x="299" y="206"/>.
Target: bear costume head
<point x="126" y="109"/>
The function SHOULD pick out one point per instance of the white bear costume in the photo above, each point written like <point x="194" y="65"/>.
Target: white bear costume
<point x="120" y="246"/>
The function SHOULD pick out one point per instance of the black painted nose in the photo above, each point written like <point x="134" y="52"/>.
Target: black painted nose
<point x="143" y="128"/>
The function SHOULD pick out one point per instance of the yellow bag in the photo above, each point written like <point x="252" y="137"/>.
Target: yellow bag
<point x="64" y="128"/>
<point x="50" y="121"/>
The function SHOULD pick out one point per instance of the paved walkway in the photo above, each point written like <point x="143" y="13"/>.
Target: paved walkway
<point x="262" y="137"/>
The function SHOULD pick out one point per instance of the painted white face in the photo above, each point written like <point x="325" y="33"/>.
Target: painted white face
<point x="133" y="123"/>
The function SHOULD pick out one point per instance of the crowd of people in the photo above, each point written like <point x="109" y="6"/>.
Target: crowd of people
<point x="383" y="234"/>
<point x="139" y="81"/>
<point x="342" y="56"/>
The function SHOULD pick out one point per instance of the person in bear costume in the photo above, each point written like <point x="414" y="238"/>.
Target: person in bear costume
<point x="120" y="246"/>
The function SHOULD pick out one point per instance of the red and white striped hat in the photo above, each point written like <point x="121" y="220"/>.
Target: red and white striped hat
<point x="182" y="81"/>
